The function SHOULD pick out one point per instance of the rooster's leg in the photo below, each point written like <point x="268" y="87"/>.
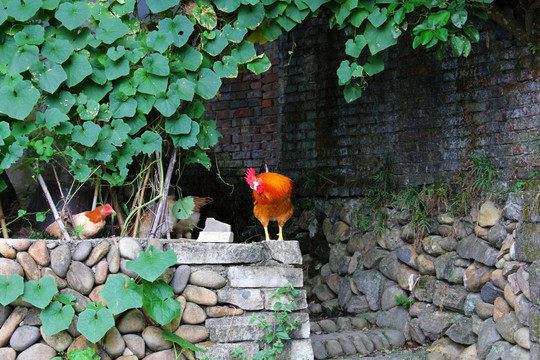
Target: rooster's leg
<point x="266" y="233"/>
<point x="280" y="236"/>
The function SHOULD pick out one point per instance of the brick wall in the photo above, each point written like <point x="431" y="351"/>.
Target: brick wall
<point x="420" y="117"/>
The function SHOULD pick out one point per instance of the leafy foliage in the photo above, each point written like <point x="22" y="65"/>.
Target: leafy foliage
<point x="85" y="73"/>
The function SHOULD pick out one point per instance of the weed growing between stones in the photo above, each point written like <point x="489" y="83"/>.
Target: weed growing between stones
<point x="283" y="328"/>
<point x="403" y="301"/>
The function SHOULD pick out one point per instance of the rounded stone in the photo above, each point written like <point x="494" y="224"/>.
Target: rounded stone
<point x="192" y="333"/>
<point x="60" y="283"/>
<point x="7" y="353"/>
<point x="98" y="252"/>
<point x="6" y="250"/>
<point x="113" y="258"/>
<point x="162" y="355"/>
<point x="522" y="337"/>
<point x="181" y="278"/>
<point x="154" y="340"/>
<point x="39" y="252"/>
<point x="95" y="295"/>
<point x="59" y="341"/>
<point x="80" y="300"/>
<point x="80" y="277"/>
<point x="132" y="321"/>
<point x="61" y="260"/>
<point x="30" y="267"/>
<point x="102" y="269"/>
<point x="125" y="270"/>
<point x="81" y="343"/>
<point x="129" y="248"/>
<point x="21" y="244"/>
<point x="37" y="352"/>
<point x="193" y="314"/>
<point x="500" y="308"/>
<point x="113" y="343"/>
<point x="207" y="278"/>
<point x="10" y="267"/>
<point x="136" y="344"/>
<point x="426" y="264"/>
<point x="82" y="251"/>
<point x="200" y="295"/>
<point x="23" y="337"/>
<point x="484" y="310"/>
<point x="220" y="311"/>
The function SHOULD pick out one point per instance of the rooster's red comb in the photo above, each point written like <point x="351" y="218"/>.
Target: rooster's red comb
<point x="250" y="176"/>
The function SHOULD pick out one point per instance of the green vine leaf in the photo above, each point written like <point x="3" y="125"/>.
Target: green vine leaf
<point x="207" y="83"/>
<point x="259" y="65"/>
<point x="205" y="15"/>
<point x="30" y="35"/>
<point x="49" y="77"/>
<point x="95" y="321"/>
<point x="176" y="125"/>
<point x="251" y="16"/>
<point x="86" y="135"/>
<point x="56" y="317"/>
<point x="199" y="156"/>
<point x="183" y="208"/>
<point x="22" y="11"/>
<point x="157" y="6"/>
<point x="17" y="102"/>
<point x="77" y="69"/>
<point x="208" y="135"/>
<point x="121" y="294"/>
<point x="152" y="263"/>
<point x="40" y="293"/>
<point x="184" y="344"/>
<point x="187" y="141"/>
<point x="110" y="30"/>
<point x="159" y="302"/>
<point x="156" y="64"/>
<point x="151" y="142"/>
<point x="73" y="15"/>
<point x="25" y="56"/>
<point x="159" y="40"/>
<point x="10" y="289"/>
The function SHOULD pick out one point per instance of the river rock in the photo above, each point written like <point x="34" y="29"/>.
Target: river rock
<point x="426" y="264"/>
<point x="371" y="283"/>
<point x="59" y="341"/>
<point x="80" y="300"/>
<point x="472" y="247"/>
<point x="181" y="278"/>
<point x="82" y="251"/>
<point x="136" y="344"/>
<point x="61" y="260"/>
<point x="7" y="353"/>
<point x="208" y="279"/>
<point x="113" y="343"/>
<point x="154" y="340"/>
<point x="496" y="235"/>
<point x="10" y="267"/>
<point x="523" y="338"/>
<point x="507" y="325"/>
<point x="475" y="276"/>
<point x="113" y="258"/>
<point x="445" y="269"/>
<point x="30" y="267"/>
<point x="37" y="352"/>
<point x="433" y="245"/>
<point x="11" y="324"/>
<point x="500" y="308"/>
<point x="6" y="250"/>
<point x="132" y="321"/>
<point x="102" y="269"/>
<point x="192" y="333"/>
<point x="193" y="314"/>
<point x="98" y="252"/>
<point x="129" y="248"/>
<point x="490" y="292"/>
<point x="200" y="295"/>
<point x="60" y="283"/>
<point x="23" y="337"/>
<point x="461" y="331"/>
<point x="487" y="336"/>
<point x="220" y="311"/>
<point x="80" y="278"/>
<point x="39" y="252"/>
<point x="408" y="255"/>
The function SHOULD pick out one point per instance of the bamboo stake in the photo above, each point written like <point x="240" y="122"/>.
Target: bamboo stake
<point x="53" y="207"/>
<point x="139" y="198"/>
<point x="163" y="200"/>
<point x="3" y="222"/>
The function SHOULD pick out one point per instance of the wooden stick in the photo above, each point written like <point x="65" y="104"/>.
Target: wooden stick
<point x="163" y="200"/>
<point x="116" y="206"/>
<point x="65" y="207"/>
<point x="53" y="207"/>
<point x="3" y="222"/>
<point x="139" y="199"/>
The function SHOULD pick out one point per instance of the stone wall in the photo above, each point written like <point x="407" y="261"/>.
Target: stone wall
<point x="219" y="285"/>
<point x="473" y="281"/>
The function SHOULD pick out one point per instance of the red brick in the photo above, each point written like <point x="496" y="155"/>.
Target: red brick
<point x="267" y="103"/>
<point x="256" y="85"/>
<point x="243" y="112"/>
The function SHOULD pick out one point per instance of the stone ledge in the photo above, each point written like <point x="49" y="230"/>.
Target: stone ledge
<point x="264" y="276"/>
<point x="215" y="253"/>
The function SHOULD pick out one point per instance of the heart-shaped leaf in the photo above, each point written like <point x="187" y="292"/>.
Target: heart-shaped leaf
<point x="354" y="47"/>
<point x="206" y="15"/>
<point x="251" y="16"/>
<point x="167" y="104"/>
<point x="208" y="135"/>
<point x="156" y="64"/>
<point x="86" y="135"/>
<point x="159" y="40"/>
<point x="178" y="125"/>
<point x="57" y="50"/>
<point x="227" y="6"/>
<point x="187" y="141"/>
<point x="4" y="133"/>
<point x="226" y="68"/>
<point x="184" y="344"/>
<point x="14" y="287"/>
<point x="245" y="52"/>
<point x="151" y="142"/>
<point x="17" y="102"/>
<point x="145" y="102"/>
<point x="190" y="58"/>
<point x="115" y="53"/>
<point x="40" y="293"/>
<point x="102" y="151"/>
<point x="73" y="15"/>
<point x="180" y="28"/>
<point x="159" y="302"/>
<point x="110" y="30"/>
<point x="63" y="101"/>
<point x="116" y="69"/>
<point x="184" y="88"/>
<point x="94" y="322"/>
<point x="49" y="77"/>
<point x="135" y="124"/>
<point x="25" y="56"/>
<point x="22" y="10"/>
<point x="380" y="38"/>
<point x="123" y="7"/>
<point x="207" y="83"/>
<point x="198" y="156"/>
<point x="216" y="45"/>
<point x="259" y="65"/>
<point x="122" y="106"/>
<point x="374" y="65"/>
<point x="56" y="317"/>
<point x="183" y="208"/>
<point x="121" y="294"/>
<point x="116" y="133"/>
<point x="30" y="35"/>
<point x="152" y="263"/>
<point x="149" y="83"/>
<point x="77" y="69"/>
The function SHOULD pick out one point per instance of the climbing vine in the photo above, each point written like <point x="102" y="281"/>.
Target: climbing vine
<point x="101" y="84"/>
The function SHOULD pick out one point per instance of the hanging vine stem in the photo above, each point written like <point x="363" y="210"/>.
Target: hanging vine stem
<point x="138" y="201"/>
<point x="162" y="207"/>
<point x="65" y="207"/>
<point x="53" y="207"/>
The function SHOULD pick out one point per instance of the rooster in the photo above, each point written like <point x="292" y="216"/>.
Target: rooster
<point x="90" y="223"/>
<point x="272" y="194"/>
